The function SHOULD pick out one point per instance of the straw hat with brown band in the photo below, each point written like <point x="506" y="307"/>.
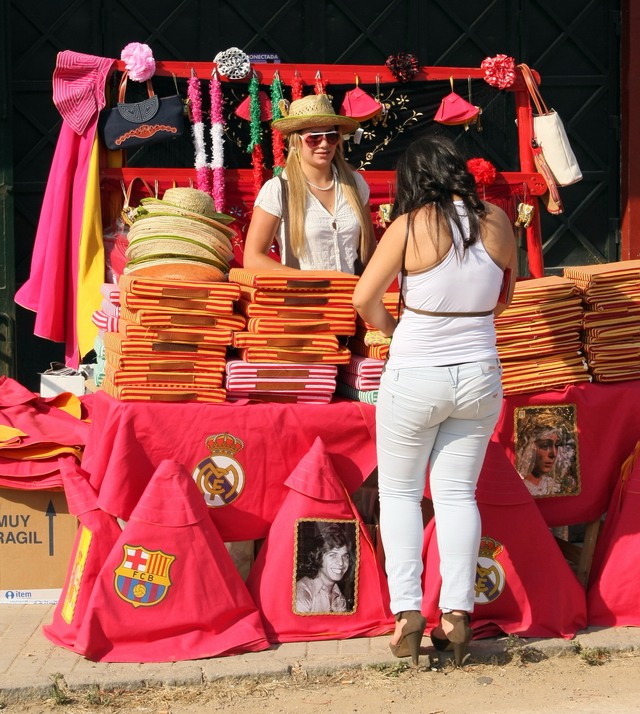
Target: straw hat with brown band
<point x="153" y="207"/>
<point x="309" y="112"/>
<point x="194" y="201"/>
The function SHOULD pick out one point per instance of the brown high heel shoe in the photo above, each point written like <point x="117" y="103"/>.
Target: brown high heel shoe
<point x="410" y="637"/>
<point x="460" y="636"/>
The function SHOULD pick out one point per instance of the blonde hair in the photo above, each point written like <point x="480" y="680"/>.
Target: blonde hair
<point x="297" y="199"/>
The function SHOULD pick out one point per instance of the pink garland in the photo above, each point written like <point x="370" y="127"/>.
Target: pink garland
<point x="195" y="104"/>
<point x="217" y="140"/>
<point x="499" y="71"/>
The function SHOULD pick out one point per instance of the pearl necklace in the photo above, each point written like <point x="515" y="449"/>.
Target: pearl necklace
<point x="320" y="188"/>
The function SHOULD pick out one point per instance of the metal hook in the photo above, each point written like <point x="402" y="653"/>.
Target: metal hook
<point x="193" y="73"/>
<point x="276" y="75"/>
<point x="357" y="79"/>
<point x="214" y="72"/>
<point x="318" y="75"/>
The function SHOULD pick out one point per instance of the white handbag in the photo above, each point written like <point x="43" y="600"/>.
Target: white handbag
<point x="551" y="136"/>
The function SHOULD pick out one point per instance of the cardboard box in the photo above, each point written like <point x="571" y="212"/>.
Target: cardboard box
<point x="52" y="384"/>
<point x="37" y="533"/>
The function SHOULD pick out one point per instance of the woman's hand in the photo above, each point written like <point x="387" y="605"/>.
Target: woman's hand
<point x="260" y="235"/>
<point x="383" y="267"/>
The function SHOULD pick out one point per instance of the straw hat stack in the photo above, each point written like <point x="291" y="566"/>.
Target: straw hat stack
<point x="180" y="237"/>
<point x="289" y="351"/>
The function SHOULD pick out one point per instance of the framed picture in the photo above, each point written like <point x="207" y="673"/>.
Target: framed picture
<point x="325" y="571"/>
<point x="546" y="441"/>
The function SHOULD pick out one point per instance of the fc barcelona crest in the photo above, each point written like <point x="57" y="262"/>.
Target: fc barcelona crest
<point x="490" y="576"/>
<point x="220" y="477"/>
<point x="143" y="576"/>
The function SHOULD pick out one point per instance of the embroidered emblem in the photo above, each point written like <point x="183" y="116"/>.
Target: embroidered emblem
<point x="490" y="576"/>
<point x="220" y="477"/>
<point x="140" y="111"/>
<point x="143" y="576"/>
<point x="145" y="131"/>
<point x="80" y="560"/>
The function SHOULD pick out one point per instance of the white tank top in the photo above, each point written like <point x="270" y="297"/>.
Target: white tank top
<point x="460" y="283"/>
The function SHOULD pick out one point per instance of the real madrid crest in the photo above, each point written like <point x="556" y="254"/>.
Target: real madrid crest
<point x="490" y="577"/>
<point x="220" y="477"/>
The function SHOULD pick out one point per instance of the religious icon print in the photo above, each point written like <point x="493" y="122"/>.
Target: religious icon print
<point x="546" y="441"/>
<point x="325" y="572"/>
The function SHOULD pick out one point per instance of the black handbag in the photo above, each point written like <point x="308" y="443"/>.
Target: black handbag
<point x="155" y="119"/>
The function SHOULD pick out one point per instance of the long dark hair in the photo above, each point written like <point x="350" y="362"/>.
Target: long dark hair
<point x="430" y="172"/>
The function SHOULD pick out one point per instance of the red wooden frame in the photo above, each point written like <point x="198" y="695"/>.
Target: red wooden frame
<point x="240" y="182"/>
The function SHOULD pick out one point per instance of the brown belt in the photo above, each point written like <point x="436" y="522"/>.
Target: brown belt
<point x="450" y="314"/>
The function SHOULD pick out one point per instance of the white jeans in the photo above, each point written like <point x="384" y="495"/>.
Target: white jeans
<point x="441" y="417"/>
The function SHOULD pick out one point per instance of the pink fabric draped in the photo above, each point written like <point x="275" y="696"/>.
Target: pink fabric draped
<point x="52" y="287"/>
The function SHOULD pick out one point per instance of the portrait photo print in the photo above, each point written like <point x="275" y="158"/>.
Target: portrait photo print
<point x="325" y="571"/>
<point x="546" y="441"/>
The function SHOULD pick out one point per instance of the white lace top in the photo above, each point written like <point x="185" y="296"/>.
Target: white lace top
<point x="331" y="242"/>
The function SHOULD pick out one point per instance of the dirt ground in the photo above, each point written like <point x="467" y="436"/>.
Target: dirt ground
<point x="597" y="681"/>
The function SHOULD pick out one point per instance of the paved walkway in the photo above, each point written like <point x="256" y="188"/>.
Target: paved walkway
<point x="28" y="659"/>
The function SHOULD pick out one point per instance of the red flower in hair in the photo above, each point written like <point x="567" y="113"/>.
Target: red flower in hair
<point x="483" y="171"/>
<point x="499" y="71"/>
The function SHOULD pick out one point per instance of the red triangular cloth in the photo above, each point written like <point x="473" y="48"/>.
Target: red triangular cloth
<point x="168" y="590"/>
<point x="317" y="576"/>
<point x="95" y="538"/>
<point x="612" y="597"/>
<point x="518" y="560"/>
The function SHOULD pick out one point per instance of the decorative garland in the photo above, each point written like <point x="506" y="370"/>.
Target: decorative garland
<point x="197" y="130"/>
<point x="499" y="71"/>
<point x="276" y="135"/>
<point x="296" y="87"/>
<point x="320" y="86"/>
<point x="217" y="142"/>
<point x="254" y="148"/>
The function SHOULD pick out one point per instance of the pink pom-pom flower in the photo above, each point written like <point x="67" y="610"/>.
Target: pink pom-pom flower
<point x="138" y="59"/>
<point x="499" y="71"/>
<point x="483" y="171"/>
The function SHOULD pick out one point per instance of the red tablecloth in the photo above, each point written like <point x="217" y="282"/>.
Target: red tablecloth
<point x="608" y="419"/>
<point x="129" y="440"/>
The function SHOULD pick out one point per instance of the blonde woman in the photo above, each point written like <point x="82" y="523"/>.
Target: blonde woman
<point x="318" y="210"/>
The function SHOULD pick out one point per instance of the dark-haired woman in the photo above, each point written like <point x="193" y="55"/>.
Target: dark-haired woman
<point x="440" y="394"/>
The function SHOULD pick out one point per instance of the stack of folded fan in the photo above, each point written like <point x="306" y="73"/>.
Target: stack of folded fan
<point x="369" y="342"/>
<point x="360" y="378"/>
<point x="611" y="324"/>
<point x="538" y="337"/>
<point x="171" y="341"/>
<point x="290" y="348"/>
<point x="106" y="320"/>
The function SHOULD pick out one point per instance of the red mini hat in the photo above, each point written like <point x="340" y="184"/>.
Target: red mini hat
<point x="454" y="109"/>
<point x="359" y="105"/>
<point x="244" y="109"/>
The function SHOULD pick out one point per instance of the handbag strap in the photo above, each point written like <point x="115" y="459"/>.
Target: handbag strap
<point x="122" y="89"/>
<point x="532" y="86"/>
